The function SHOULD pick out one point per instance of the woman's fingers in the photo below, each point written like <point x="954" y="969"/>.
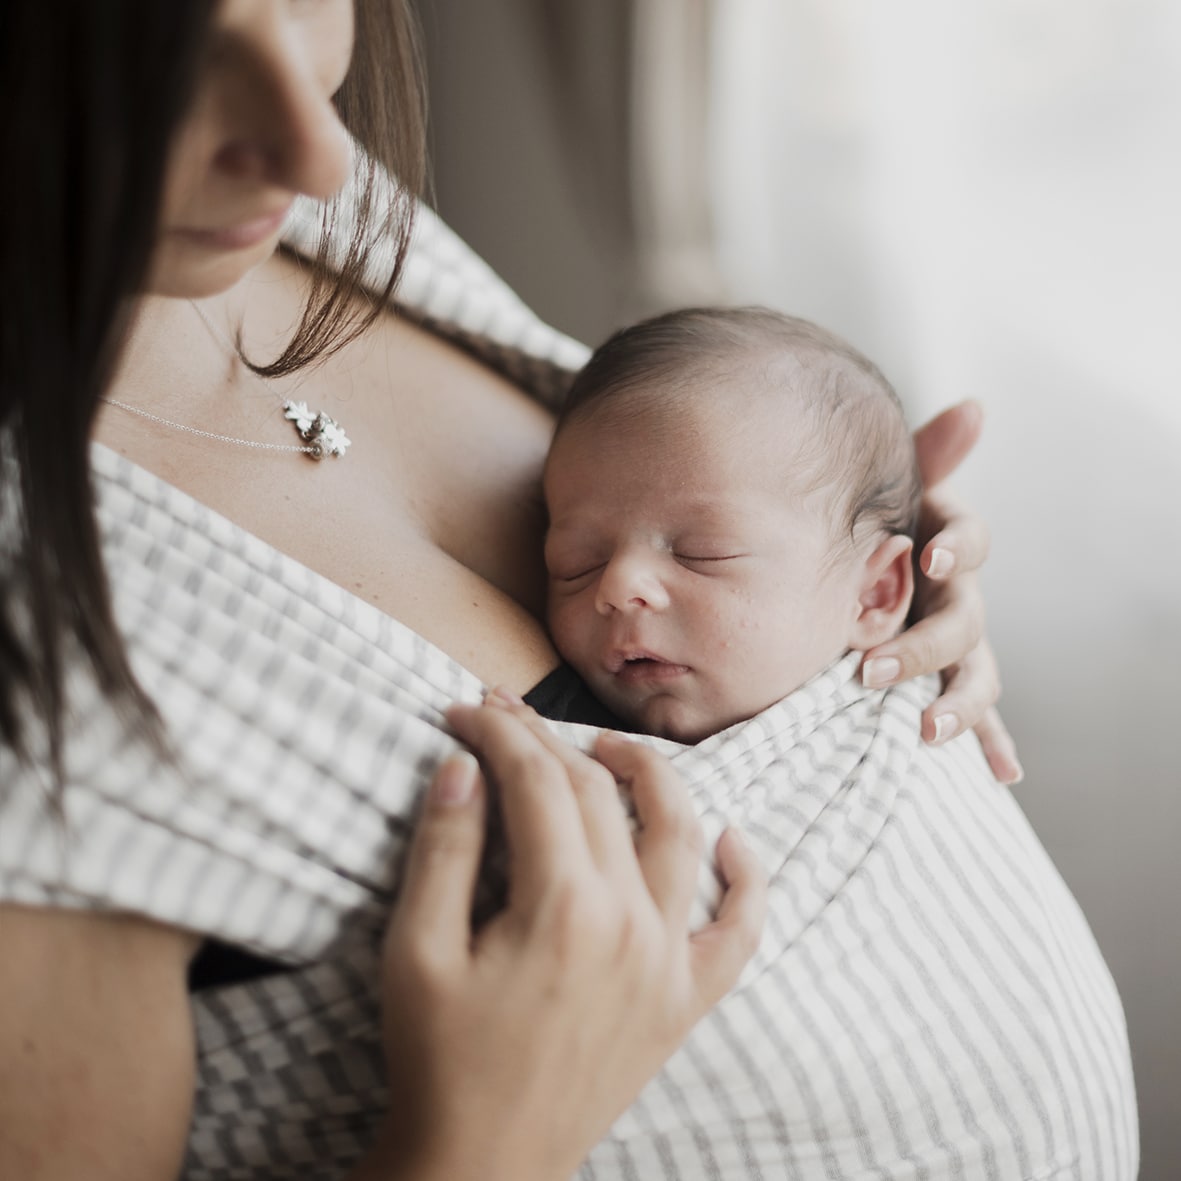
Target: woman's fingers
<point x="543" y="826"/>
<point x="435" y="903"/>
<point x="970" y="701"/>
<point x="999" y="748"/>
<point x="721" y="950"/>
<point x="954" y="626"/>
<point x="958" y="541"/>
<point x="669" y="847"/>
<point x="669" y="843"/>
<point x="949" y="635"/>
<point x="971" y="688"/>
<point x="604" y="815"/>
<point x="660" y="870"/>
<point x="940" y="445"/>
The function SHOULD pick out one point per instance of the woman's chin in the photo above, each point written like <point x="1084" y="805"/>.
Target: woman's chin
<point x="188" y="270"/>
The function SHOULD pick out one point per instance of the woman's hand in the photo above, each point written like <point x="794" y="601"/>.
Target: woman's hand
<point x="948" y="636"/>
<point x="512" y="1049"/>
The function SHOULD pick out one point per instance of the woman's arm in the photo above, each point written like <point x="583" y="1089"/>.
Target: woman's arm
<point x="96" y="1047"/>
<point x="948" y="637"/>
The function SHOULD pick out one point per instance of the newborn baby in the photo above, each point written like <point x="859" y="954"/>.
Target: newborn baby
<point x="732" y="495"/>
<point x="732" y="498"/>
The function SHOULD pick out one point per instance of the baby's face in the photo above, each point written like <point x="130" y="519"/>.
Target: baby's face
<point x="688" y="584"/>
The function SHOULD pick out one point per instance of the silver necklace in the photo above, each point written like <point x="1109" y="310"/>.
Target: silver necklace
<point x="321" y="434"/>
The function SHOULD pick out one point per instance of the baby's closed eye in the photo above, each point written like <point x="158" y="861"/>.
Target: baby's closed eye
<point x="578" y="573"/>
<point x="706" y="557"/>
<point x="567" y="563"/>
<point x="570" y="557"/>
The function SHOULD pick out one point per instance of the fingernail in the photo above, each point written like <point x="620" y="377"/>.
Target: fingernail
<point x="455" y="784"/>
<point x="1016" y="772"/>
<point x="885" y="670"/>
<point x="941" y="564"/>
<point x="614" y="738"/>
<point x="1011" y="772"/>
<point x="945" y="726"/>
<point x="502" y="696"/>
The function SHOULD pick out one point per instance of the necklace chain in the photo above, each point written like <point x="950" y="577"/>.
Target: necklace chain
<point x="322" y="435"/>
<point x="192" y="430"/>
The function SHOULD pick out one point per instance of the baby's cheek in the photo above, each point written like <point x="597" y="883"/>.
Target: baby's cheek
<point x="762" y="665"/>
<point x="570" y="626"/>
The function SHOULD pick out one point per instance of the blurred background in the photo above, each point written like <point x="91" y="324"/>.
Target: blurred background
<point x="984" y="197"/>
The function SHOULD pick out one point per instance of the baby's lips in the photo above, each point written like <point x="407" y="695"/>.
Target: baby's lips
<point x="648" y="670"/>
<point x="619" y="657"/>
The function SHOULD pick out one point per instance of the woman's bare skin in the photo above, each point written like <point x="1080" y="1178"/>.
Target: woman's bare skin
<point x="433" y="515"/>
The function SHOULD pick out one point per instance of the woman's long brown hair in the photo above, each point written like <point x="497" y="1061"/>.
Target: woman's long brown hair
<point x="92" y="94"/>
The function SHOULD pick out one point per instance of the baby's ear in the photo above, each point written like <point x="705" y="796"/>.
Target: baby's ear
<point x="887" y="584"/>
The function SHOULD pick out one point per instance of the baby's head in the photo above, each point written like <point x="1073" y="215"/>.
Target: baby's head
<point x="732" y="495"/>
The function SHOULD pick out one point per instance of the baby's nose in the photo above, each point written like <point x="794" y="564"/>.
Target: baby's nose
<point x="629" y="584"/>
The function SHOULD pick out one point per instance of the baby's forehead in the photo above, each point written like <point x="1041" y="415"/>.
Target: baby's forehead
<point x="760" y="407"/>
<point x="755" y="385"/>
<point x="728" y="454"/>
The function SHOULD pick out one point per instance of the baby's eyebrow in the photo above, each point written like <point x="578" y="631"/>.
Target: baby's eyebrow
<point x="709" y="511"/>
<point x="568" y="537"/>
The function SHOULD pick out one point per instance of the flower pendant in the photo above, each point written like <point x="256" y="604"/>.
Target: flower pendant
<point x="324" y="435"/>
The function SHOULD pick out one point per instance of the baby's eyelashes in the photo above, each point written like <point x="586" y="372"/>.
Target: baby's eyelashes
<point x="706" y="561"/>
<point x="569" y="573"/>
<point x="566" y="564"/>
<point x="569" y="558"/>
<point x="577" y="576"/>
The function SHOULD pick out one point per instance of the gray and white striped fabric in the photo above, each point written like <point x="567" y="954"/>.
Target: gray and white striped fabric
<point x="927" y="1001"/>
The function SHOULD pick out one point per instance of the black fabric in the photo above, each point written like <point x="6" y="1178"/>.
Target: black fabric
<point x="564" y="697"/>
<point x="218" y="963"/>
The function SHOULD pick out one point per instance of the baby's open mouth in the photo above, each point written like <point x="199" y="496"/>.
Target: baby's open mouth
<point x="644" y="666"/>
<point x="623" y="658"/>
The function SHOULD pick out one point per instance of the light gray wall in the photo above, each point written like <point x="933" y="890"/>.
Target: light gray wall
<point x="501" y="179"/>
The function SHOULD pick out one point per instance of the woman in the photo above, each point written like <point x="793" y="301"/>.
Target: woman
<point x="168" y="145"/>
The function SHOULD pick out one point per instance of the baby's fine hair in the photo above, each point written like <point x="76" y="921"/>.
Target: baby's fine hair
<point x="860" y="444"/>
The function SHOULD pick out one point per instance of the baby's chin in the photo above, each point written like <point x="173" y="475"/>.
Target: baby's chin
<point x="677" y="713"/>
<point x="673" y="718"/>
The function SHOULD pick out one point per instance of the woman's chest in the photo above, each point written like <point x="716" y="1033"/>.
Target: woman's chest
<point x="437" y="519"/>
<point x="434" y="513"/>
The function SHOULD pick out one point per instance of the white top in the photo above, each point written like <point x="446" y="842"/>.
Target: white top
<point x="927" y="1000"/>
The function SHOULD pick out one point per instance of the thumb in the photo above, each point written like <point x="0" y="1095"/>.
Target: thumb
<point x="722" y="949"/>
<point x="941" y="445"/>
<point x="440" y="876"/>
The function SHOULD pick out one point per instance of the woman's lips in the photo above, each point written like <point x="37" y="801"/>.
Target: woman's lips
<point x="239" y="237"/>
